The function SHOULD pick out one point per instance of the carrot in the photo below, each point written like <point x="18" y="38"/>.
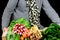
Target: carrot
<point x="24" y="35"/>
<point x="22" y="38"/>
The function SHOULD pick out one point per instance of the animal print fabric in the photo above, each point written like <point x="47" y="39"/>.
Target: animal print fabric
<point x="34" y="12"/>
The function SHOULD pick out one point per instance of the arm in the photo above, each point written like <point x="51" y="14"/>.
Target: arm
<point x="7" y="12"/>
<point x="51" y="12"/>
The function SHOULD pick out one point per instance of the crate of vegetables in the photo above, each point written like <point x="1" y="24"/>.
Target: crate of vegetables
<point x="21" y="29"/>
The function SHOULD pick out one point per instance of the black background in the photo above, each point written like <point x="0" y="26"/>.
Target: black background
<point x="44" y="19"/>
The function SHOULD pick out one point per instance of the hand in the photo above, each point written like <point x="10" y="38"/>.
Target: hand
<point x="59" y="24"/>
<point x="5" y="31"/>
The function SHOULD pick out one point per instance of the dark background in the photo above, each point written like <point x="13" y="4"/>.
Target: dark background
<point x="44" y="19"/>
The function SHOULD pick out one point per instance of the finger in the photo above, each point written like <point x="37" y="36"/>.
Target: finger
<point x="5" y="29"/>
